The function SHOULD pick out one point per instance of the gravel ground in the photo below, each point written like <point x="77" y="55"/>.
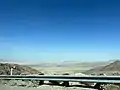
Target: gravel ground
<point x="43" y="87"/>
<point x="34" y="85"/>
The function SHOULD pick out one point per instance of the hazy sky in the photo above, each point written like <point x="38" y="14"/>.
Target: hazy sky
<point x="59" y="30"/>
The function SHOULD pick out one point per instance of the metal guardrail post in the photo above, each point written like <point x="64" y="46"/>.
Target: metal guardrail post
<point x="41" y="82"/>
<point x="65" y="83"/>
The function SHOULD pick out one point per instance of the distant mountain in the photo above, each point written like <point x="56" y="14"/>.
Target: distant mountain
<point x="19" y="69"/>
<point x="3" y="60"/>
<point x="108" y="69"/>
<point x="70" y="64"/>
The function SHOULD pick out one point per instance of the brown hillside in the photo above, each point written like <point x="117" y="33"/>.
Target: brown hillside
<point x="19" y="69"/>
<point x="115" y="66"/>
<point x="108" y="69"/>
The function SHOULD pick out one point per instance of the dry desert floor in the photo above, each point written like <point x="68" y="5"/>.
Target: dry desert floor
<point x="43" y="87"/>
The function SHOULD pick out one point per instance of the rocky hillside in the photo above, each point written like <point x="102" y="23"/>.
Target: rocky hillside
<point x="111" y="68"/>
<point x="19" y="69"/>
<point x="115" y="66"/>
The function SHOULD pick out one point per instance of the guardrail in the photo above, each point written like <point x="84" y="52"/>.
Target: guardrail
<point x="99" y="80"/>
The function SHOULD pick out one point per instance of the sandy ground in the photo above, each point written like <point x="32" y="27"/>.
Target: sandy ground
<point x="43" y="87"/>
<point x="59" y="70"/>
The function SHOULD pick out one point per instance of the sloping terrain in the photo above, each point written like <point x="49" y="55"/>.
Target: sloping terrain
<point x="19" y="69"/>
<point x="111" y="68"/>
<point x="115" y="66"/>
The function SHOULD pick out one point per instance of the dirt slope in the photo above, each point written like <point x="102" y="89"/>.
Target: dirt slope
<point x="111" y="68"/>
<point x="19" y="69"/>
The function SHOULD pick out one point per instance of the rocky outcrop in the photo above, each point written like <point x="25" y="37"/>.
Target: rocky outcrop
<point x="18" y="69"/>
